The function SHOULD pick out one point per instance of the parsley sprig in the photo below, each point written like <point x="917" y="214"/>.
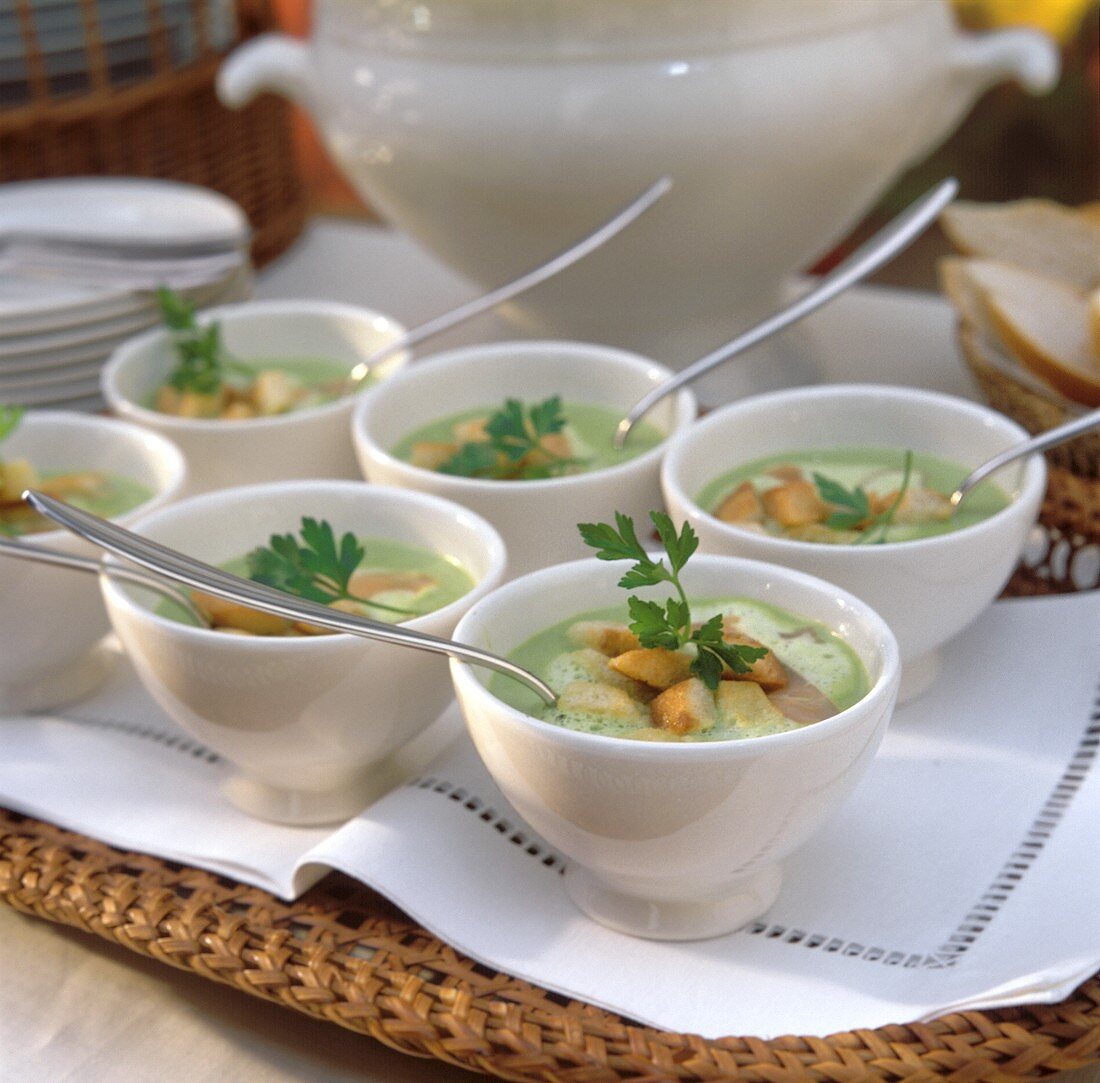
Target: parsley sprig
<point x="318" y="568"/>
<point x="668" y="625"/>
<point x="202" y="361"/>
<point x="514" y="434"/>
<point x="10" y="416"/>
<point x="854" y="506"/>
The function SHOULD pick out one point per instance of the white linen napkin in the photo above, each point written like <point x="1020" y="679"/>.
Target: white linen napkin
<point x="964" y="872"/>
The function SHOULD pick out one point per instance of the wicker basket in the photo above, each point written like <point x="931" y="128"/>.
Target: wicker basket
<point x="156" y="115"/>
<point x="1067" y="555"/>
<point x="344" y="955"/>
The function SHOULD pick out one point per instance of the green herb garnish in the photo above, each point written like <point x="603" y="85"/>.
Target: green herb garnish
<point x="203" y="362"/>
<point x="10" y="416"/>
<point x="668" y="625"/>
<point x="318" y="568"/>
<point x="855" y="506"/>
<point x="515" y="434"/>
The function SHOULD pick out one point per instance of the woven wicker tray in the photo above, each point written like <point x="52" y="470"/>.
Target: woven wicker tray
<point x="344" y="954"/>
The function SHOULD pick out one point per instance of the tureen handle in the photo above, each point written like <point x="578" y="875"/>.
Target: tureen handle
<point x="1028" y="56"/>
<point x="269" y="62"/>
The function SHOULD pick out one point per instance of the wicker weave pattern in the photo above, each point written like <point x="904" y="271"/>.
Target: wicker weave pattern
<point x="341" y="953"/>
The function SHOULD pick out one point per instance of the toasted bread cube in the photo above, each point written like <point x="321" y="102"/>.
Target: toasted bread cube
<point x="274" y="392"/>
<point x="597" y="667"/>
<point x="431" y="454"/>
<point x="604" y="636"/>
<point x="923" y="506"/>
<point x="342" y="605"/>
<point x="366" y="584"/>
<point x="225" y="614"/>
<point x="655" y="666"/>
<point x="794" y="503"/>
<point x="743" y="505"/>
<point x="238" y="411"/>
<point x="76" y="483"/>
<point x="743" y="705"/>
<point x="167" y="400"/>
<point x="472" y="431"/>
<point x="601" y="700"/>
<point x="16" y="475"/>
<point x="822" y="534"/>
<point x="687" y="707"/>
<point x="556" y="445"/>
<point x="193" y="404"/>
<point x="768" y="672"/>
<point x="786" y="472"/>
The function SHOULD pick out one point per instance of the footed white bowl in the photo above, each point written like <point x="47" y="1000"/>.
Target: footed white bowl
<point x="308" y="722"/>
<point x="536" y="519"/>
<point x="673" y="841"/>
<point x="927" y="590"/>
<point x="310" y="443"/>
<point x="51" y="619"/>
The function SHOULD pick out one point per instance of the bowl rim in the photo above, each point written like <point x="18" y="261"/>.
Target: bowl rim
<point x="477" y="524"/>
<point x="685" y="413"/>
<point x="1032" y="486"/>
<point x="161" y="447"/>
<point x="125" y="353"/>
<point x="882" y="691"/>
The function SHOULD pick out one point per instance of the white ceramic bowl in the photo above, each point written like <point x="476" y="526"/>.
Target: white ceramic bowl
<point x="308" y="722"/>
<point x="537" y="519"/>
<point x="927" y="590"/>
<point x="673" y="841"/>
<point x="309" y="443"/>
<point x="51" y="619"/>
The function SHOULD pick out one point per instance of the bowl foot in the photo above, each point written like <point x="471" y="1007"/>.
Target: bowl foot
<point x="304" y="808"/>
<point x="918" y="675"/>
<point x="77" y="681"/>
<point x="674" y="919"/>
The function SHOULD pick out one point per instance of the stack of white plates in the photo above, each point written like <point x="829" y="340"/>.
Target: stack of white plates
<point x="55" y="332"/>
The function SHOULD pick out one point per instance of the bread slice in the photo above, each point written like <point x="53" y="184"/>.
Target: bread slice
<point x="1042" y="324"/>
<point x="1036" y="235"/>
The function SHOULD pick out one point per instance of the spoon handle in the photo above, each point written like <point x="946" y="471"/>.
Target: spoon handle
<point x="41" y="554"/>
<point x="878" y="250"/>
<point x="635" y="209"/>
<point x="199" y="576"/>
<point x="1078" y="427"/>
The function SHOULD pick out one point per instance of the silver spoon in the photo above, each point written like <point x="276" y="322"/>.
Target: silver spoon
<point x="1077" y="427"/>
<point x="41" y="554"/>
<point x="633" y="210"/>
<point x="195" y="574"/>
<point x="878" y="250"/>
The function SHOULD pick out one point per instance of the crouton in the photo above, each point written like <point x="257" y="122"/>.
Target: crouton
<point x="821" y="534"/>
<point x="366" y="584"/>
<point x="786" y="472"/>
<point x="472" y="431"/>
<point x="604" y="636"/>
<point x="431" y="454"/>
<point x="167" y="400"/>
<point x="743" y="705"/>
<point x="196" y="405"/>
<point x="650" y="733"/>
<point x="923" y="506"/>
<point x="238" y="411"/>
<point x="600" y="700"/>
<point x="768" y="672"/>
<point x="595" y="667"/>
<point x="77" y="483"/>
<point x="794" y="503"/>
<point x="743" y="505"/>
<point x="274" y="392"/>
<point x="655" y="666"/>
<point x="16" y="475"/>
<point x="553" y="446"/>
<point x="224" y="614"/>
<point x="687" y="707"/>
